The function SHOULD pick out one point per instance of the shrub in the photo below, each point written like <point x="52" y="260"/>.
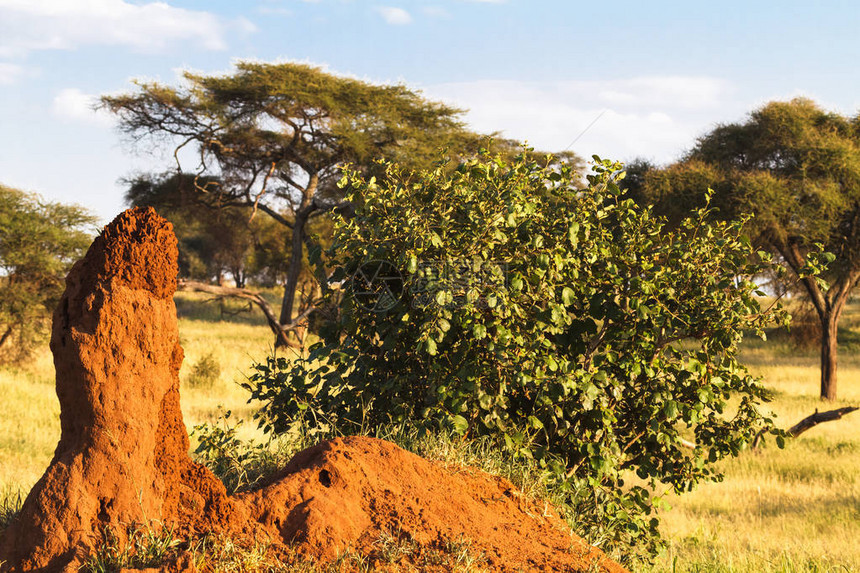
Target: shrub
<point x="204" y="372"/>
<point x="565" y="322"/>
<point x="237" y="463"/>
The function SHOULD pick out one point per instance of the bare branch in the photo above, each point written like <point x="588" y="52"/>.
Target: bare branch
<point x="177" y="150"/>
<point x="262" y="191"/>
<point x="818" y="418"/>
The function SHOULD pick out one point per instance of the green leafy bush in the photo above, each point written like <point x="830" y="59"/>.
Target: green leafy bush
<point x="205" y="372"/>
<point x="567" y="323"/>
<point x="238" y="464"/>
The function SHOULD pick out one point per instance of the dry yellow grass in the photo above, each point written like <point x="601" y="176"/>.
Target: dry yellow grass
<point x="788" y="510"/>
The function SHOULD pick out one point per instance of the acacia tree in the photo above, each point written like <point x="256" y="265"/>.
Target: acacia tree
<point x="796" y="167"/>
<point x="272" y="137"/>
<point x="39" y="241"/>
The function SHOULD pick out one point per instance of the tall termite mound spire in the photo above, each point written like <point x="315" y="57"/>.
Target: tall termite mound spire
<point x="122" y="458"/>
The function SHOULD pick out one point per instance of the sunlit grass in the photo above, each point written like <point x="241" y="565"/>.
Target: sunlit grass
<point x="29" y="421"/>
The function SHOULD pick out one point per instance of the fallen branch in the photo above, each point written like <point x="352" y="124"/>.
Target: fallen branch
<point x="797" y="429"/>
<point x="281" y="331"/>
<point x="817" y="418"/>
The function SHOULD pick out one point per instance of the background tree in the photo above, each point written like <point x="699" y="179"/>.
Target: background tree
<point x="39" y="241"/>
<point x="796" y="167"/>
<point x="214" y="241"/>
<point x="272" y="137"/>
<point x="566" y="324"/>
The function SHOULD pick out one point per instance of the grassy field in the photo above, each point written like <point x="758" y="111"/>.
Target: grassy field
<point x="788" y="510"/>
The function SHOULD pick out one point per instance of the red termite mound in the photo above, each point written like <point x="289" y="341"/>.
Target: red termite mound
<point x="348" y="491"/>
<point x="123" y="458"/>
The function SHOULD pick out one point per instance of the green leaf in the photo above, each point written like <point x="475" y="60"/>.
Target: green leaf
<point x="567" y="296"/>
<point x="459" y="424"/>
<point x="412" y="264"/>
<point x="543" y="261"/>
<point x="670" y="408"/>
<point x="573" y="234"/>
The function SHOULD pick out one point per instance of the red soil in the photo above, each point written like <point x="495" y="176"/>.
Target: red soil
<point x="123" y="458"/>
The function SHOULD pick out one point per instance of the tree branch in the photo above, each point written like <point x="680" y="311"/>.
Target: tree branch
<point x="818" y="418"/>
<point x="791" y="253"/>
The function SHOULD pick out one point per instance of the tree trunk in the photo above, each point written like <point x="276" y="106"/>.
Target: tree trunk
<point x="828" y="356"/>
<point x="6" y="335"/>
<point x="297" y="241"/>
<point x="295" y="268"/>
<point x="238" y="277"/>
<point x="829" y="306"/>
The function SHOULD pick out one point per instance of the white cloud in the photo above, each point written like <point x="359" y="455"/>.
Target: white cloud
<point x="688" y="92"/>
<point x="27" y="25"/>
<point x="436" y="12"/>
<point x="394" y="16"/>
<point x="243" y="26"/>
<point x="71" y="104"/>
<point x="10" y="73"/>
<point x="652" y="117"/>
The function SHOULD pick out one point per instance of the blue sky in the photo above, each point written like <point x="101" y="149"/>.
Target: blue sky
<point x="657" y="74"/>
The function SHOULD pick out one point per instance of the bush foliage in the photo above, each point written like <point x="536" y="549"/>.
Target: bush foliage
<point x="205" y="371"/>
<point x="506" y="299"/>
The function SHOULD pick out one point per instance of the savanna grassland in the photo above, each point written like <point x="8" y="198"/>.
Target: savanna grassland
<point x="796" y="509"/>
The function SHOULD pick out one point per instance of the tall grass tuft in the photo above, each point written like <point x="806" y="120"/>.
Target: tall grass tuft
<point x="11" y="501"/>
